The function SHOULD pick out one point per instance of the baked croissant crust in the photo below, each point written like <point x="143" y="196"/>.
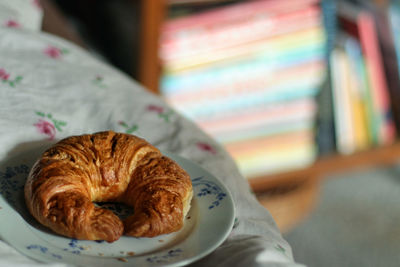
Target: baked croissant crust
<point x="107" y="167"/>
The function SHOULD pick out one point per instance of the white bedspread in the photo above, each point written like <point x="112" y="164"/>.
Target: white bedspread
<point x="50" y="89"/>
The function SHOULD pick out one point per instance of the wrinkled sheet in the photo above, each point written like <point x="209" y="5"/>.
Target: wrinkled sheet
<point x="51" y="89"/>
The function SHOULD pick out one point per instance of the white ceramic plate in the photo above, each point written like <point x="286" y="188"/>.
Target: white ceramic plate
<point x="207" y="225"/>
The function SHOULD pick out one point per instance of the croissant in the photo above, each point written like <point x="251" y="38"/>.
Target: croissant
<point x="107" y="167"/>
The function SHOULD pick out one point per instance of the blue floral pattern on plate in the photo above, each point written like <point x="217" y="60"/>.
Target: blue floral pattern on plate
<point x="74" y="247"/>
<point x="12" y="181"/>
<point x="209" y="188"/>
<point x="43" y="250"/>
<point x="165" y="258"/>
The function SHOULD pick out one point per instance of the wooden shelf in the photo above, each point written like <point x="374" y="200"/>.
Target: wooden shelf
<point x="152" y="16"/>
<point x="290" y="206"/>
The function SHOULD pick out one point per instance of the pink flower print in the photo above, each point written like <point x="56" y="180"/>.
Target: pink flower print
<point x="162" y="113"/>
<point x="155" y="108"/>
<point x="5" y="78"/>
<point x="53" y="52"/>
<point x="12" y="24"/>
<point x="4" y="75"/>
<point x="37" y="4"/>
<point x="47" y="128"/>
<point x="206" y="147"/>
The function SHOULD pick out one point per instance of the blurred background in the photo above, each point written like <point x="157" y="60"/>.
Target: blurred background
<point x="304" y="94"/>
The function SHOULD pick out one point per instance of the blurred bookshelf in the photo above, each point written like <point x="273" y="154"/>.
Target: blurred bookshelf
<point x="292" y="89"/>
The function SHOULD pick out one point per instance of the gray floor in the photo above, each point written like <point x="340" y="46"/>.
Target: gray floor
<point x="356" y="222"/>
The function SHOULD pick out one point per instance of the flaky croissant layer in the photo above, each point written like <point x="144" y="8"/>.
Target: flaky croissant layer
<point x="107" y="167"/>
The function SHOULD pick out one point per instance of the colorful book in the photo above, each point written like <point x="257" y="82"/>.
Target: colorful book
<point x="360" y="23"/>
<point x="344" y="125"/>
<point x="279" y="127"/>
<point x="359" y="90"/>
<point x="231" y="13"/>
<point x="264" y="117"/>
<point x="391" y="56"/>
<point x="271" y="154"/>
<point x="310" y="70"/>
<point x="188" y="43"/>
<point x="205" y="108"/>
<point x="254" y="91"/>
<point x="394" y="18"/>
<point x="262" y="65"/>
<point x="248" y="50"/>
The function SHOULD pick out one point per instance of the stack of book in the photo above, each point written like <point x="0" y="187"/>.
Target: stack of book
<point x="248" y="73"/>
<point x="361" y="90"/>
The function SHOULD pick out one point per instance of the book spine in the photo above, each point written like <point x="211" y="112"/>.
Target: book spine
<point x="342" y="105"/>
<point x="394" y="18"/>
<point x="266" y="130"/>
<point x="392" y="58"/>
<point x="285" y="151"/>
<point x="207" y="79"/>
<point x="370" y="44"/>
<point x="277" y="141"/>
<point x="246" y="51"/>
<point x="185" y="44"/>
<point x="363" y="111"/>
<point x="308" y="71"/>
<point x="233" y="12"/>
<point x="205" y="108"/>
<point x="282" y="113"/>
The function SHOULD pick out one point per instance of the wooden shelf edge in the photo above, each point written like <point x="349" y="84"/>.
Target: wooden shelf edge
<point x="152" y="13"/>
<point x="384" y="155"/>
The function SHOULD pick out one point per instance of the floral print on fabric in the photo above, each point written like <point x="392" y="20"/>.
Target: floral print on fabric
<point x="11" y="23"/>
<point x="46" y="128"/>
<point x="47" y="125"/>
<point x="4" y="75"/>
<point x="55" y="52"/>
<point x="161" y="111"/>
<point x="206" y="147"/>
<point x="37" y="4"/>
<point x="5" y="78"/>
